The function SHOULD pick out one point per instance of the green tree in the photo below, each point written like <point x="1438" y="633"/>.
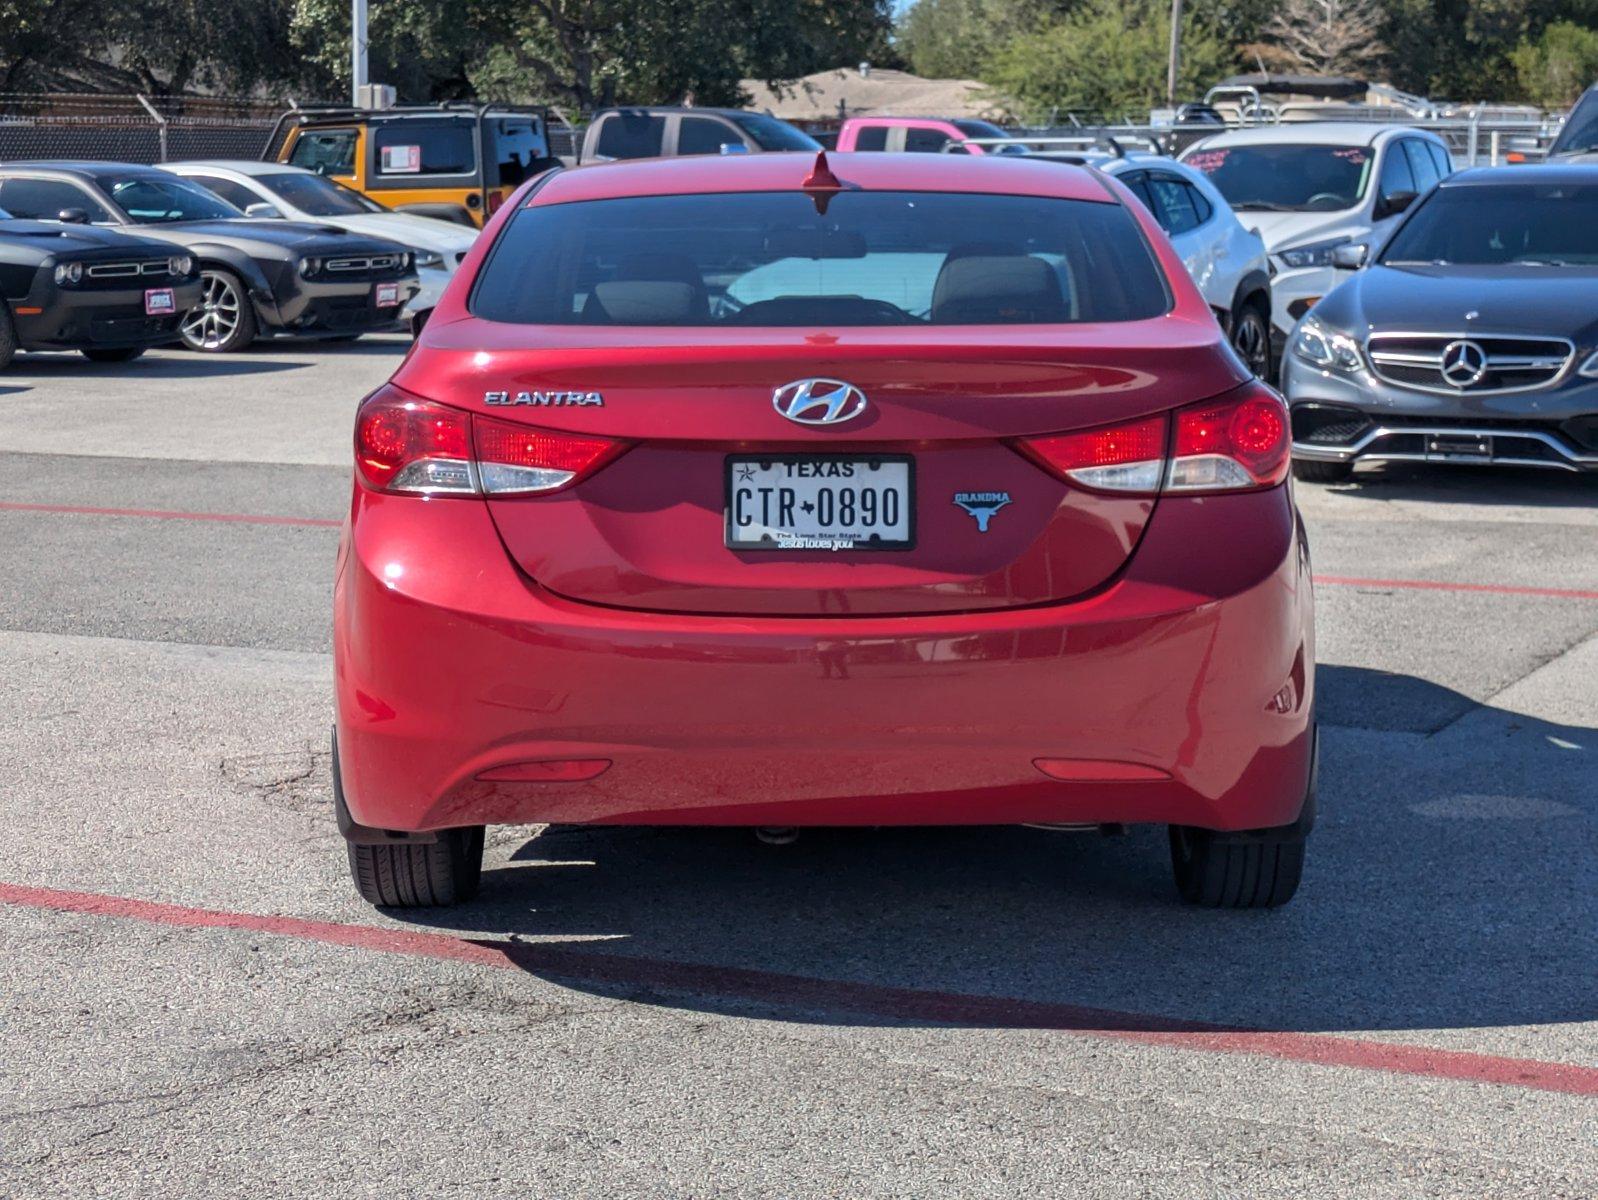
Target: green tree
<point x="956" y="39"/>
<point x="1106" y="58"/>
<point x="1557" y="67"/>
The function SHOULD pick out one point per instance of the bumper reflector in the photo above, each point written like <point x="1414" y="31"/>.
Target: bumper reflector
<point x="552" y="770"/>
<point x="1090" y="770"/>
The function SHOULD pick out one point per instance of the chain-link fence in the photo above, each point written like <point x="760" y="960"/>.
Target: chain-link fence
<point x="136" y="129"/>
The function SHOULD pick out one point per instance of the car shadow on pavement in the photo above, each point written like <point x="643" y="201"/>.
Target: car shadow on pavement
<point x="167" y="366"/>
<point x="1452" y="883"/>
<point x="1453" y="483"/>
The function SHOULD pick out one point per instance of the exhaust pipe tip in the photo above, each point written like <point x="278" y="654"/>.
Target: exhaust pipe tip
<point x="777" y="835"/>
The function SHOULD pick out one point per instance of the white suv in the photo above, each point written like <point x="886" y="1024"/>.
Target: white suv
<point x="1323" y="195"/>
<point x="1227" y="261"/>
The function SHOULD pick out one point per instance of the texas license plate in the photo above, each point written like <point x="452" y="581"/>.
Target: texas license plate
<point x="387" y="295"/>
<point x="821" y="502"/>
<point x="159" y="302"/>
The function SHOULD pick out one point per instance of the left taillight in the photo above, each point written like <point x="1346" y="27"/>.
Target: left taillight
<point x="1239" y="443"/>
<point x="406" y="444"/>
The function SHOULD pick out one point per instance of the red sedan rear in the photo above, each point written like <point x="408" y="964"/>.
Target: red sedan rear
<point x="769" y="492"/>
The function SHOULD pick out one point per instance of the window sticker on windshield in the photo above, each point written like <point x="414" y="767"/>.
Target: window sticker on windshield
<point x="1354" y="154"/>
<point x="1208" y="161"/>
<point x="402" y="160"/>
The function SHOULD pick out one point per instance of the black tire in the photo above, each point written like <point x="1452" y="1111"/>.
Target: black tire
<point x="120" y="355"/>
<point x="1321" y="472"/>
<point x="224" y="320"/>
<point x="1214" y="871"/>
<point x="1251" y="338"/>
<point x="8" y="337"/>
<point x="1257" y="869"/>
<point x="419" y="875"/>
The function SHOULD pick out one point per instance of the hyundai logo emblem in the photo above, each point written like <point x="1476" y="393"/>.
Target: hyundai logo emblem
<point x="819" y="401"/>
<point x="1463" y="363"/>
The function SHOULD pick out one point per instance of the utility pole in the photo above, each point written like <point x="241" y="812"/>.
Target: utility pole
<point x="358" y="50"/>
<point x="1171" y="63"/>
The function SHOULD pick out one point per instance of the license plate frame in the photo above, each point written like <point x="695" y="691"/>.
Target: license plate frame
<point x="160" y="302"/>
<point x="770" y="545"/>
<point x="385" y="295"/>
<point x="1461" y="448"/>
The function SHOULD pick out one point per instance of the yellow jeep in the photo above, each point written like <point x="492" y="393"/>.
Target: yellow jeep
<point x="456" y="161"/>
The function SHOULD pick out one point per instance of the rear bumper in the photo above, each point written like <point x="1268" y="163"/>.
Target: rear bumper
<point x="1196" y="668"/>
<point x="77" y="319"/>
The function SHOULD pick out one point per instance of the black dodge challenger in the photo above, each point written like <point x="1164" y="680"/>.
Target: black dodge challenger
<point x="258" y="277"/>
<point x="74" y="287"/>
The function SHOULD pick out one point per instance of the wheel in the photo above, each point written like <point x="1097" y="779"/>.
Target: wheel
<point x="1215" y="871"/>
<point x="1251" y="338"/>
<point x="1321" y="472"/>
<point x="8" y="337"/>
<point x="419" y="875"/>
<point x="1259" y="868"/>
<point x="409" y="874"/>
<point x="120" y="355"/>
<point x="224" y="320"/>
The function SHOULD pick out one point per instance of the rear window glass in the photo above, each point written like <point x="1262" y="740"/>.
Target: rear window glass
<point x="770" y="259"/>
<point x="414" y="148"/>
<point x="630" y="135"/>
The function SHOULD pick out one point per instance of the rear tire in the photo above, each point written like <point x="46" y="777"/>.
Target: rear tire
<point x="420" y="874"/>
<point x="1214" y="871"/>
<point x="120" y="355"/>
<point x="1251" y="338"/>
<point x="1321" y="472"/>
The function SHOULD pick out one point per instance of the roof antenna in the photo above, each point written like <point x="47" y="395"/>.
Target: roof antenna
<point x="821" y="184"/>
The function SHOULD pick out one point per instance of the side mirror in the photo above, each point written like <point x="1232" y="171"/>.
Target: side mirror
<point x="263" y="212"/>
<point x="72" y="216"/>
<point x="1349" y="258"/>
<point x="1394" y="203"/>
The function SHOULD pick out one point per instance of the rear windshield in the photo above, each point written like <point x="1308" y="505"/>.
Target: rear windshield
<point x="1550" y="225"/>
<point x="873" y="258"/>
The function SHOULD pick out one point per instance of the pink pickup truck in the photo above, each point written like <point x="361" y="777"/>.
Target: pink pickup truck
<point x="926" y="135"/>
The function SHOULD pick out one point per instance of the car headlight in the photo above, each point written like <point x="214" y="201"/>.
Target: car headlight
<point x="428" y="258"/>
<point x="69" y="273"/>
<point x="1326" y="348"/>
<point x="1316" y="254"/>
<point x="180" y="265"/>
<point x="309" y="267"/>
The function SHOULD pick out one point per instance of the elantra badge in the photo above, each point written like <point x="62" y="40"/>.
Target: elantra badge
<point x="819" y="401"/>
<point x="545" y="399"/>
<point x="982" y="506"/>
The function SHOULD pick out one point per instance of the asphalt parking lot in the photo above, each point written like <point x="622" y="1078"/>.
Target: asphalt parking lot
<point x="193" y="1002"/>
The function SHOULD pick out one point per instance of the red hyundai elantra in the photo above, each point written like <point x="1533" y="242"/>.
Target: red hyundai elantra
<point x="774" y="492"/>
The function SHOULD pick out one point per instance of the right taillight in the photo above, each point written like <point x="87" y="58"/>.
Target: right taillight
<point x="406" y="444"/>
<point x="1231" y="445"/>
<point x="1236" y="444"/>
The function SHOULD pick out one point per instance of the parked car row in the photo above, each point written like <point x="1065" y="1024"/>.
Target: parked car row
<point x="114" y="258"/>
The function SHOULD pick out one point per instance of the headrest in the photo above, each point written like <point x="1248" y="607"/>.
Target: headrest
<point x="998" y="290"/>
<point x="643" y="302"/>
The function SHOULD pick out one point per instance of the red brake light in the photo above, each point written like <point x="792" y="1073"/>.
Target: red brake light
<point x="1118" y="458"/>
<point x="515" y="458"/>
<point x="1235" y="444"/>
<point x="405" y="444"/>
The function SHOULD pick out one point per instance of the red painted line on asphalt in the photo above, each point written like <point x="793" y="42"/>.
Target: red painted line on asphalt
<point x="834" y="996"/>
<point x="162" y="514"/>
<point x="1432" y="585"/>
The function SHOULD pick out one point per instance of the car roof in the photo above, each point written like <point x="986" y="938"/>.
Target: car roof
<point x="85" y="168"/>
<point x="243" y="166"/>
<point x="781" y="171"/>
<point x="1553" y="173"/>
<point x="665" y="109"/>
<point x="1312" y="133"/>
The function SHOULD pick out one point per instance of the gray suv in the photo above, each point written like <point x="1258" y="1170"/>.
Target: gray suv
<point x="1473" y="337"/>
